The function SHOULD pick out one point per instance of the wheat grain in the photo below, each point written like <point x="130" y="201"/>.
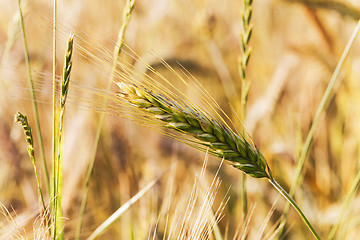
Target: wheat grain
<point x="208" y="133"/>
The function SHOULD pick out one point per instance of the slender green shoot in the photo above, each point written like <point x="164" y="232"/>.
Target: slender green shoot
<point x="320" y="110"/>
<point x="243" y="60"/>
<point x="54" y="129"/>
<point x="117" y="50"/>
<point x="33" y="97"/>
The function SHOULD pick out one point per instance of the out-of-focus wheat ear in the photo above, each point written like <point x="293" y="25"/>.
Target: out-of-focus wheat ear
<point x="245" y="35"/>
<point x="22" y="120"/>
<point x="58" y="219"/>
<point x="66" y="71"/>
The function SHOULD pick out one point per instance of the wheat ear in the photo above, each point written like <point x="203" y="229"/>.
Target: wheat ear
<point x="212" y="136"/>
<point x="22" y="120"/>
<point x="218" y="139"/>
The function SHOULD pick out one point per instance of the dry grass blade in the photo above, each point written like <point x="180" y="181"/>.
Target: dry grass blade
<point x="98" y="231"/>
<point x="206" y="132"/>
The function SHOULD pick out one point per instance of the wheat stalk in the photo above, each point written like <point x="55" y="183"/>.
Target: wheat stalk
<point x="243" y="61"/>
<point x="33" y="97"/>
<point x="58" y="170"/>
<point x="208" y="133"/>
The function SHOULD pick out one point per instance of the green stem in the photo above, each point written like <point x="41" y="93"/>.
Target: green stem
<point x="293" y="203"/>
<point x="33" y="97"/>
<point x="245" y="84"/>
<point x="244" y="93"/>
<point x="55" y="166"/>
<point x="244" y="196"/>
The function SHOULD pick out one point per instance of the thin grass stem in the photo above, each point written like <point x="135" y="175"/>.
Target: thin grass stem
<point x="245" y="84"/>
<point x="34" y="102"/>
<point x="117" y="50"/>
<point x="293" y="203"/>
<point x="54" y="130"/>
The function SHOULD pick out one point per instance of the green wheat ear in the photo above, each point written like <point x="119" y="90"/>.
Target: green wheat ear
<point x="206" y="132"/>
<point x="22" y="120"/>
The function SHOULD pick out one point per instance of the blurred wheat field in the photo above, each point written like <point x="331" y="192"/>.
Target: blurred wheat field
<point x="296" y="46"/>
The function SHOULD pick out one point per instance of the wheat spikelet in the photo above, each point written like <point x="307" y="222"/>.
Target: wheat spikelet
<point x="208" y="133"/>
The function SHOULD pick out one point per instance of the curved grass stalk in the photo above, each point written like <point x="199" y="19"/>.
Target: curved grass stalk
<point x="325" y="99"/>
<point x="293" y="203"/>
<point x="54" y="203"/>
